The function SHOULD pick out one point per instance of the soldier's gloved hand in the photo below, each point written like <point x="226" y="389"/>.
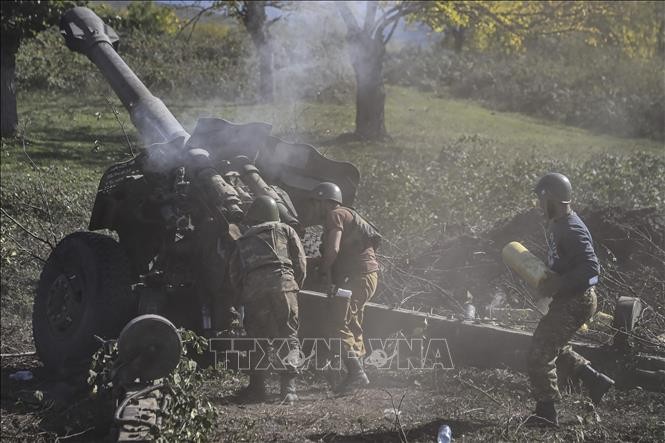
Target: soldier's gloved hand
<point x="550" y="286"/>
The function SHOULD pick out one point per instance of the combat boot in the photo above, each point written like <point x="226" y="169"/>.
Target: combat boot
<point x="355" y="377"/>
<point x="596" y="382"/>
<point x="287" y="388"/>
<point x="545" y="415"/>
<point x="256" y="390"/>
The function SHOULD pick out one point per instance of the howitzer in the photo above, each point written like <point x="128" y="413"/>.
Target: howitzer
<point x="176" y="208"/>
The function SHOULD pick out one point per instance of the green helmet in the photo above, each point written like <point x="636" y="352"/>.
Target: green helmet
<point x="263" y="209"/>
<point x="327" y="191"/>
<point x="554" y="186"/>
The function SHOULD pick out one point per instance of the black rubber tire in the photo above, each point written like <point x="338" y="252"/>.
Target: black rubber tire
<point x="95" y="273"/>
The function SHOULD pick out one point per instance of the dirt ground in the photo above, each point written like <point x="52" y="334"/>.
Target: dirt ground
<point x="487" y="405"/>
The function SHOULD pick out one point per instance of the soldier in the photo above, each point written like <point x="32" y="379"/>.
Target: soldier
<point x="267" y="269"/>
<point x="575" y="271"/>
<point x="349" y="262"/>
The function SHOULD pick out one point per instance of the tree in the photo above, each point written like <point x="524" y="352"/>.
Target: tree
<point x="144" y="16"/>
<point x="20" y="20"/>
<point x="635" y="27"/>
<point x="253" y="16"/>
<point x="367" y="49"/>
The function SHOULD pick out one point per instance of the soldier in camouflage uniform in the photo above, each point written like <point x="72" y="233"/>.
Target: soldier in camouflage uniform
<point x="575" y="271"/>
<point x="267" y="270"/>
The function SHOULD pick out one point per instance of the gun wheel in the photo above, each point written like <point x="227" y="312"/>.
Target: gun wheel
<point x="84" y="290"/>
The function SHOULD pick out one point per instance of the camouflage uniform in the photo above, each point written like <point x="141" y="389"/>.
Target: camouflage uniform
<point x="267" y="269"/>
<point x="550" y="349"/>
<point x="572" y="258"/>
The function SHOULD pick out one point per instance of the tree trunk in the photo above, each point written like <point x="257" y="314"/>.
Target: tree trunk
<point x="266" y="84"/>
<point x="458" y="38"/>
<point x="367" y="60"/>
<point x="255" y="23"/>
<point x="9" y="116"/>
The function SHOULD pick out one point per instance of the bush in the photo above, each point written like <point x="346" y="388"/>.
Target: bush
<point x="217" y="64"/>
<point x="473" y="184"/>
<point x="563" y="79"/>
<point x="213" y="60"/>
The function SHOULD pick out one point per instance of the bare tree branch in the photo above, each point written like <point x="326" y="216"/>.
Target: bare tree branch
<point x="397" y="411"/>
<point x="26" y="230"/>
<point x="384" y="16"/>
<point x="471" y="385"/>
<point x="19" y="354"/>
<point x="390" y="33"/>
<point x="26" y="250"/>
<point x="116" y="114"/>
<point x="370" y="14"/>
<point x="348" y="17"/>
<point x="195" y="19"/>
<point x="42" y="191"/>
<point x="400" y="11"/>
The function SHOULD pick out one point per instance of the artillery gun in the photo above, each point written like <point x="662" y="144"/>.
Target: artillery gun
<point x="176" y="208"/>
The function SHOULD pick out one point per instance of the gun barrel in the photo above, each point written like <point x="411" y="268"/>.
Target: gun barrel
<point x="86" y="33"/>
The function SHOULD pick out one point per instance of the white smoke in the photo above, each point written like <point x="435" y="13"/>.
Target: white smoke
<point x="311" y="66"/>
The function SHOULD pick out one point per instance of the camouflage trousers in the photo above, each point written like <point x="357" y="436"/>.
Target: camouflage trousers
<point x="549" y="347"/>
<point x="272" y="315"/>
<point x="350" y="329"/>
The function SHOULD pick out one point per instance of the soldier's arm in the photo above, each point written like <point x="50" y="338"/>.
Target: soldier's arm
<point x="298" y="257"/>
<point x="331" y="247"/>
<point x="332" y="239"/>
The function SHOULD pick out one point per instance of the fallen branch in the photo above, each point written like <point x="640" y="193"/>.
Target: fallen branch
<point x="44" y="195"/>
<point x="26" y="250"/>
<point x="26" y="230"/>
<point x="471" y="385"/>
<point x="397" y="411"/>
<point x="66" y="437"/>
<point x="19" y="354"/>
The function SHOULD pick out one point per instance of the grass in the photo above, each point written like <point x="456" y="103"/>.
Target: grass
<point x="419" y="121"/>
<point x="64" y="129"/>
<point x="431" y="120"/>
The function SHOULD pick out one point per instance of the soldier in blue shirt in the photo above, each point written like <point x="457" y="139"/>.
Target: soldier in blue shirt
<point x="575" y="272"/>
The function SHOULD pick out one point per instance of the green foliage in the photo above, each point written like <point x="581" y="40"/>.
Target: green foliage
<point x="23" y="19"/>
<point x="209" y="64"/>
<point x="560" y="79"/>
<point x="143" y="16"/>
<point x="634" y="27"/>
<point x="189" y="417"/>
<point x="186" y="416"/>
<point x="472" y="184"/>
